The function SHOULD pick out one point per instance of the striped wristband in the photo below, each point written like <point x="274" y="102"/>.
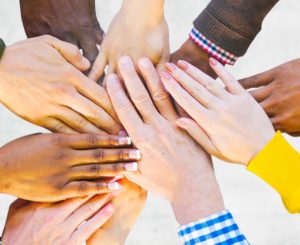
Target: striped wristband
<point x="2" y="47"/>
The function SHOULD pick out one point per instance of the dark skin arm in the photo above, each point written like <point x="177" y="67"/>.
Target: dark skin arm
<point x="194" y="55"/>
<point x="74" y="21"/>
<point x="278" y="92"/>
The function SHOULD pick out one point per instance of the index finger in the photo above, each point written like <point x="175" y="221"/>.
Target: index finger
<point x="124" y="108"/>
<point x="258" y="80"/>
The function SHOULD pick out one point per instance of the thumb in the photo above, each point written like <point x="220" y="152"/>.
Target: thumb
<point x="258" y="80"/>
<point x="70" y="52"/>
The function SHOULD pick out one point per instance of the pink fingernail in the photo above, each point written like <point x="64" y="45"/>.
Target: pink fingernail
<point x="165" y="76"/>
<point x="114" y="186"/>
<point x="183" y="64"/>
<point x="134" y="154"/>
<point x="171" y="67"/>
<point x="213" y="62"/>
<point x="131" y="167"/>
<point x="124" y="141"/>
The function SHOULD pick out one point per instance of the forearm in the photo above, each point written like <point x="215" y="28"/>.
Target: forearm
<point x="146" y="8"/>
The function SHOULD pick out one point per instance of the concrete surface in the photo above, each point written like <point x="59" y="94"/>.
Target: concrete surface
<point x="256" y="206"/>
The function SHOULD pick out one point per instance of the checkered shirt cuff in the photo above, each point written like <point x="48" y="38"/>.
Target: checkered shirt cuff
<point x="217" y="229"/>
<point x="215" y="51"/>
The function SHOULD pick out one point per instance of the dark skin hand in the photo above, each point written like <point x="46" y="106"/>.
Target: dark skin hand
<point x="278" y="92"/>
<point x="194" y="55"/>
<point x="54" y="167"/>
<point x="73" y="21"/>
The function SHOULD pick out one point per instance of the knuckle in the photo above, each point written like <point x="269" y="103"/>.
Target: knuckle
<point x="82" y="188"/>
<point x="117" y="168"/>
<point x="94" y="169"/>
<point x="92" y="140"/>
<point x="160" y="95"/>
<point x="74" y="51"/>
<point x="80" y="122"/>
<point x="140" y="99"/>
<point x="62" y="89"/>
<point x="210" y="85"/>
<point x="100" y="186"/>
<point x="89" y="207"/>
<point x="98" y="155"/>
<point x="46" y="37"/>
<point x="121" y="155"/>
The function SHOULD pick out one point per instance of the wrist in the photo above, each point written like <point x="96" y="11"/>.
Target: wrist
<point x="198" y="200"/>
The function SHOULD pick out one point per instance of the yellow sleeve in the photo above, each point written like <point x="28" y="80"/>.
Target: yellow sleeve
<point x="279" y="165"/>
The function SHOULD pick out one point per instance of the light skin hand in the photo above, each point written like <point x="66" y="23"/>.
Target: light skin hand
<point x="54" y="167"/>
<point x="227" y="122"/>
<point x="73" y="21"/>
<point x="278" y="92"/>
<point x="172" y="164"/>
<point x="147" y="37"/>
<point x="129" y="205"/>
<point x="47" y="88"/>
<point x="69" y="222"/>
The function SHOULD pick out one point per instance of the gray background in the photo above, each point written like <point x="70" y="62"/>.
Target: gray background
<point x="257" y="208"/>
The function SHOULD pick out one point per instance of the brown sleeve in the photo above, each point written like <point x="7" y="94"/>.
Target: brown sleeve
<point x="233" y="24"/>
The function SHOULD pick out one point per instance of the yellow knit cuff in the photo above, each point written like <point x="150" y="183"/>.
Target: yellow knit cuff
<point x="279" y="165"/>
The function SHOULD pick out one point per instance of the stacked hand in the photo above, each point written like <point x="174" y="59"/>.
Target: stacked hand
<point x="278" y="92"/>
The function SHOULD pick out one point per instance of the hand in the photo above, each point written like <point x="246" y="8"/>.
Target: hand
<point x="53" y="167"/>
<point x="43" y="85"/>
<point x="195" y="55"/>
<point x="228" y="122"/>
<point x="279" y="94"/>
<point x="128" y="205"/>
<point x="73" y="21"/>
<point x="69" y="222"/>
<point x="138" y="30"/>
<point x="172" y="165"/>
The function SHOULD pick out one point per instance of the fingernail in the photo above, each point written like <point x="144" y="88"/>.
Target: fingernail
<point x="114" y="186"/>
<point x="85" y="62"/>
<point x="113" y="78"/>
<point x="183" y="64"/>
<point x="123" y="133"/>
<point x="171" y="66"/>
<point x="124" y="141"/>
<point x="134" y="154"/>
<point x="124" y="60"/>
<point x="145" y="63"/>
<point x="165" y="76"/>
<point x="109" y="208"/>
<point x="182" y="123"/>
<point x="213" y="62"/>
<point x="131" y="167"/>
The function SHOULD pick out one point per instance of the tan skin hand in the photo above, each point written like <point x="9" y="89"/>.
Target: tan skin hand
<point x="129" y="205"/>
<point x="47" y="88"/>
<point x="73" y="21"/>
<point x="54" y="167"/>
<point x="69" y="222"/>
<point x="227" y="122"/>
<point x="278" y="92"/>
<point x="172" y="164"/>
<point x="148" y="37"/>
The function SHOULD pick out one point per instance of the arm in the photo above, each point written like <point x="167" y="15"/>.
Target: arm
<point x="223" y="30"/>
<point x="73" y="21"/>
<point x="54" y="167"/>
<point x="68" y="222"/>
<point x="141" y="31"/>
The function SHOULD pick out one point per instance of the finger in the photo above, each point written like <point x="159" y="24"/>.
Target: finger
<point x="70" y="38"/>
<point x="268" y="107"/>
<point x="258" y="80"/>
<point x="89" y="46"/>
<point x="164" y="59"/>
<point x="229" y="81"/>
<point x="101" y="155"/>
<point x="93" y="171"/>
<point x="70" y="52"/>
<point x="92" y="141"/>
<point x="260" y="94"/>
<point x="93" y="113"/>
<point x="92" y="225"/>
<point x="56" y="126"/>
<point x="137" y="90"/>
<point x="194" y="88"/>
<point x="98" y="66"/>
<point x="158" y="94"/>
<point x="199" y="76"/>
<point x="125" y="110"/>
<point x="77" y="122"/>
<point x="198" y="134"/>
<point x="277" y="123"/>
<point x="195" y="109"/>
<point x="88" y="188"/>
<point x="86" y="211"/>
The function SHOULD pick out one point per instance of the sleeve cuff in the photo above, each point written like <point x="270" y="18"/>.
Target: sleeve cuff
<point x="279" y="165"/>
<point x="208" y="46"/>
<point x="219" y="228"/>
